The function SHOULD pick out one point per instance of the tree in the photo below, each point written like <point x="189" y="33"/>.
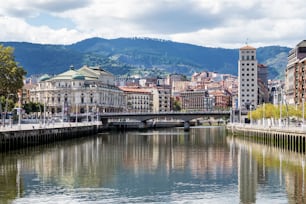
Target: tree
<point x="11" y="74"/>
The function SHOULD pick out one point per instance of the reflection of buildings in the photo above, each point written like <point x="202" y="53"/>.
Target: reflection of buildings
<point x="149" y="161"/>
<point x="247" y="176"/>
<point x="270" y="166"/>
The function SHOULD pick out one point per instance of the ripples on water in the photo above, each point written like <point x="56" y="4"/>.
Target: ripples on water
<point x="166" y="166"/>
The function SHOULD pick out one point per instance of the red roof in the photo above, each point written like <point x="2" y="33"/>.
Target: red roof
<point x="248" y="47"/>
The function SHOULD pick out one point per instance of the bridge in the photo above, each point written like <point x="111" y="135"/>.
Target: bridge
<point x="144" y="117"/>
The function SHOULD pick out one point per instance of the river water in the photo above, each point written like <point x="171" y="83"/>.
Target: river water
<point x="203" y="165"/>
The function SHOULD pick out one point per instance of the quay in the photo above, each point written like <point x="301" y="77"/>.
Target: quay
<point x="26" y="135"/>
<point x="288" y="138"/>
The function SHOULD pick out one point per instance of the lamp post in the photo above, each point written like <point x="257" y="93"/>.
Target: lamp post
<point x="19" y="116"/>
<point x="97" y="116"/>
<point x="63" y="113"/>
<point x="303" y="101"/>
<point x="240" y="115"/>
<point x="231" y="115"/>
<point x="76" y="114"/>
<point x="280" y="107"/>
<point x="251" y="114"/>
<point x="87" y="113"/>
<point x="5" y="111"/>
<point x="263" y="114"/>
<point x="44" y="112"/>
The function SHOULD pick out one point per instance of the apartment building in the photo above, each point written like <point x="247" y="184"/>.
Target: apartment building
<point x="247" y="77"/>
<point x="138" y="99"/>
<point x="295" y="82"/>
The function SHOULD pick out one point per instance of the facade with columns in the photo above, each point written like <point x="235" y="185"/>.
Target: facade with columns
<point x="85" y="90"/>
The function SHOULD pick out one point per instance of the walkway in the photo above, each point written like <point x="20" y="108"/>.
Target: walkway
<point x="16" y="127"/>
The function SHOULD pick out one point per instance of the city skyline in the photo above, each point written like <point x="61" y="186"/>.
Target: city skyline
<point x="228" y="24"/>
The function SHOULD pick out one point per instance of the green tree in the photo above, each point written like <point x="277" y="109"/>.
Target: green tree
<point x="11" y="74"/>
<point x="176" y="105"/>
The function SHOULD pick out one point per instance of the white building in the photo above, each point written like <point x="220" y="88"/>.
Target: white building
<point x="138" y="99"/>
<point x="247" y="77"/>
<point x="86" y="90"/>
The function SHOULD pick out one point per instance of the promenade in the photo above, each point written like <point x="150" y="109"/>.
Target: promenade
<point x="292" y="137"/>
<point x="292" y="128"/>
<point x="25" y="135"/>
<point x="33" y="126"/>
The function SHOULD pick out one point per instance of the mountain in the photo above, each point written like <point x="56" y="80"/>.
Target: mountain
<point x="128" y="56"/>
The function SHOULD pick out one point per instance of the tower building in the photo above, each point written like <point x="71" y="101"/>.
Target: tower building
<point x="247" y="77"/>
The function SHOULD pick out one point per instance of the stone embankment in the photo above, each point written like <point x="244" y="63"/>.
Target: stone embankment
<point x="289" y="138"/>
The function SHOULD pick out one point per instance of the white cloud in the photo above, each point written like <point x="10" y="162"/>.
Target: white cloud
<point x="222" y="23"/>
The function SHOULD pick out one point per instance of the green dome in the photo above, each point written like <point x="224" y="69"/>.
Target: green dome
<point x="78" y="76"/>
<point x="44" y="77"/>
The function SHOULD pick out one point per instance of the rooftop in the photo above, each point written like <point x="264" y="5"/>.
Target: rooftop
<point x="247" y="47"/>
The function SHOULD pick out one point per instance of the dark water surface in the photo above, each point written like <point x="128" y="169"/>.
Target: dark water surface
<point x="163" y="166"/>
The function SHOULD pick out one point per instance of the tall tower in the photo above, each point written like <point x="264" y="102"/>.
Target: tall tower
<point x="247" y="76"/>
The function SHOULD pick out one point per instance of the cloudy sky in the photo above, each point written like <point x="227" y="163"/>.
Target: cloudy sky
<point x="212" y="23"/>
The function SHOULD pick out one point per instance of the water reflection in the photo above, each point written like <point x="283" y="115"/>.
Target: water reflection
<point x="266" y="168"/>
<point x="202" y="166"/>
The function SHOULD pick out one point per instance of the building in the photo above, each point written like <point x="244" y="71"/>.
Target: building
<point x="197" y="100"/>
<point x="263" y="91"/>
<point x="161" y="98"/>
<point x="222" y="98"/>
<point x="295" y="83"/>
<point x="138" y="99"/>
<point x="247" y="77"/>
<point x="86" y="90"/>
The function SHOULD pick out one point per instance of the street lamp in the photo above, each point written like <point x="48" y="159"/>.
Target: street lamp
<point x="87" y="113"/>
<point x="76" y="114"/>
<point x="263" y="114"/>
<point x="303" y="101"/>
<point x="19" y="104"/>
<point x="280" y="107"/>
<point x="44" y="112"/>
<point x="5" y="111"/>
<point x="251" y="114"/>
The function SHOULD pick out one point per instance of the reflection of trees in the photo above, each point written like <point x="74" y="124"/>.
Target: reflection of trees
<point x="9" y="186"/>
<point x="290" y="166"/>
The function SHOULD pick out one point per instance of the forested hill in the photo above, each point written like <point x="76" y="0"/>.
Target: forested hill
<point x="143" y="56"/>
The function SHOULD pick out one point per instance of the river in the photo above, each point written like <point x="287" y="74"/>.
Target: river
<point x="203" y="165"/>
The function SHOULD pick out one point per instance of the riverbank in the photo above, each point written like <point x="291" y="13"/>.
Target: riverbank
<point x="26" y="135"/>
<point x="289" y="138"/>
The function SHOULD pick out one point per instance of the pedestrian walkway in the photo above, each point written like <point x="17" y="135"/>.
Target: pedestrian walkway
<point x="17" y="127"/>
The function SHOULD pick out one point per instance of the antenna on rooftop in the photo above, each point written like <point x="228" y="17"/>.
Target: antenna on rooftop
<point x="247" y="41"/>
